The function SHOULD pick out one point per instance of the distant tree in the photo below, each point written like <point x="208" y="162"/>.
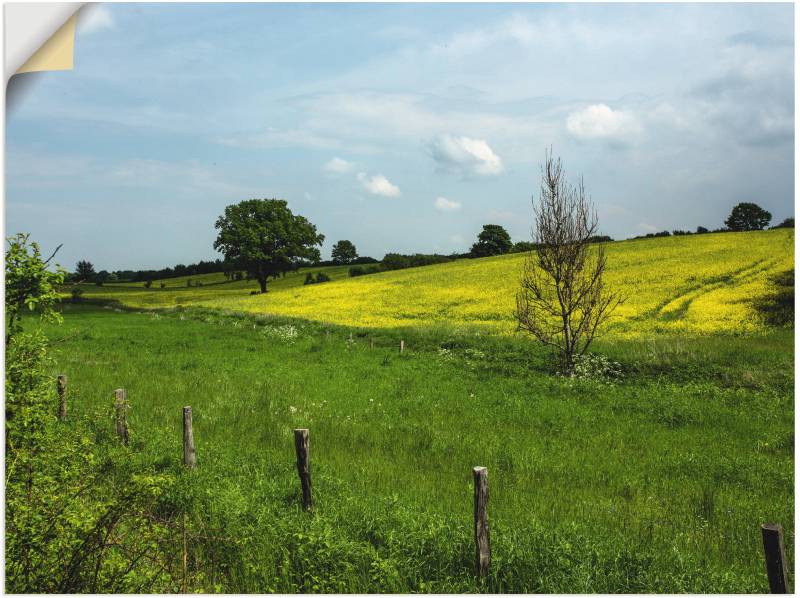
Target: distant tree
<point x="787" y="223"/>
<point x="522" y="247"/>
<point x="148" y="283"/>
<point x="113" y="277"/>
<point x="563" y="300"/>
<point x="84" y="271"/>
<point x="263" y="237"/>
<point x="395" y="261"/>
<point x="748" y="216"/>
<point x="492" y="240"/>
<point x="364" y="259"/>
<point x="344" y="252"/>
<point x="701" y="230"/>
<point x="600" y="239"/>
<point x="101" y="277"/>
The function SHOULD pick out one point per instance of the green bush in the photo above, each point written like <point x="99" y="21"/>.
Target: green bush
<point x="80" y="517"/>
<point x="364" y="270"/>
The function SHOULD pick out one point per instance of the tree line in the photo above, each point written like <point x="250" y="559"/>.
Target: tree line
<point x="285" y="242"/>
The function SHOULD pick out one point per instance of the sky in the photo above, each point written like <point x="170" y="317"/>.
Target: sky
<point x="401" y="127"/>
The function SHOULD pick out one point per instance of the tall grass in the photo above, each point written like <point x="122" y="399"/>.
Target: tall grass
<point x="653" y="483"/>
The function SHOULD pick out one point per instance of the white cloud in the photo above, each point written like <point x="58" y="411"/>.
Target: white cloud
<point x="465" y="155"/>
<point x="94" y="17"/>
<point x="598" y="121"/>
<point x="338" y="166"/>
<point x="378" y="185"/>
<point x="648" y="227"/>
<point x="446" y="205"/>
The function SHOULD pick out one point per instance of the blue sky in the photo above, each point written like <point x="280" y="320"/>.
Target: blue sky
<point x="402" y="127"/>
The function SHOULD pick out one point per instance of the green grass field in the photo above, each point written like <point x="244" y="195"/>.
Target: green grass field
<point x="655" y="482"/>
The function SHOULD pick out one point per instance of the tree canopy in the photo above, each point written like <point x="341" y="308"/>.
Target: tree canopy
<point x="492" y="240"/>
<point x="748" y="216"/>
<point x="344" y="252"/>
<point x="84" y="271"/>
<point x="264" y="237"/>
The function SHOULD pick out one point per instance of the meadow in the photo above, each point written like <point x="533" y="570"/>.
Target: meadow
<point x="693" y="285"/>
<point x="650" y="472"/>
<point x="655" y="482"/>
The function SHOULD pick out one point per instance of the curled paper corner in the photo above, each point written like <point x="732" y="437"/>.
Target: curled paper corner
<point x="56" y="53"/>
<point x="38" y="36"/>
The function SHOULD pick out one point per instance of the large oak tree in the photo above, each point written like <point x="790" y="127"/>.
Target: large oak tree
<point x="264" y="237"/>
<point x="748" y="216"/>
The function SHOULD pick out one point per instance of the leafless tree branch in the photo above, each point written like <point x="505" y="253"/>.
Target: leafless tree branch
<point x="562" y="299"/>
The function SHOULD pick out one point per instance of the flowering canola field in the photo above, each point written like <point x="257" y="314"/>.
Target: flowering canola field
<point x="694" y="285"/>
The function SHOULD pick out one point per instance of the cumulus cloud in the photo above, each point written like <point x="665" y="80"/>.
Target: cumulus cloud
<point x="446" y="205"/>
<point x="338" y="166"/>
<point x="95" y="17"/>
<point x="378" y="185"/>
<point x="598" y="121"/>
<point x="465" y="155"/>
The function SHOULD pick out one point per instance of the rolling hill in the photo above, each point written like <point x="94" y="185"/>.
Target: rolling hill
<point x="696" y="284"/>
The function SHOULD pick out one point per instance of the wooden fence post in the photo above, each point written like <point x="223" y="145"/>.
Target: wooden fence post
<point x="189" y="455"/>
<point x="775" y="557"/>
<point x="303" y="467"/>
<point x="402" y="345"/>
<point x="61" y="389"/>
<point x="121" y="414"/>
<point x="483" y="555"/>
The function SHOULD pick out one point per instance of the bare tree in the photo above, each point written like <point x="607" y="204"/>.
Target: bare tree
<point x="563" y="299"/>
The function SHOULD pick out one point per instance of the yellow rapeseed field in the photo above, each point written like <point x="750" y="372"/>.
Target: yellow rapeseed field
<point x="693" y="285"/>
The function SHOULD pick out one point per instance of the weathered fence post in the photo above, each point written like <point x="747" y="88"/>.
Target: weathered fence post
<point x="775" y="557"/>
<point x="121" y="414"/>
<point x="402" y="346"/>
<point x="303" y="468"/>
<point x="483" y="555"/>
<point x="189" y="455"/>
<point x="61" y="389"/>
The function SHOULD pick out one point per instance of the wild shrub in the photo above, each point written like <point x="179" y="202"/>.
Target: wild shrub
<point x="76" y="293"/>
<point x="78" y="519"/>
<point x="148" y="284"/>
<point x="321" y="277"/>
<point x="364" y="270"/>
